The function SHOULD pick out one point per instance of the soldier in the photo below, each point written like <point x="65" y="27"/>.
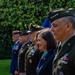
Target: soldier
<point x="32" y="55"/>
<point x="63" y="28"/>
<point x="15" y="50"/>
<point x="21" y="57"/>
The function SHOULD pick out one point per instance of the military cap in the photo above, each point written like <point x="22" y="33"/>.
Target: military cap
<point x="72" y="10"/>
<point x="33" y="28"/>
<point x="59" y="13"/>
<point x="23" y="33"/>
<point x="15" y="32"/>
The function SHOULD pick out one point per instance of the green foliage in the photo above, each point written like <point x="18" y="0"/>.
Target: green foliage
<point x="18" y="14"/>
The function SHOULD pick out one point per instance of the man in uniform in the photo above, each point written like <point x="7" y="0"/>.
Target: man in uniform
<point x="32" y="55"/>
<point x="21" y="57"/>
<point x="63" y="28"/>
<point x="15" y="50"/>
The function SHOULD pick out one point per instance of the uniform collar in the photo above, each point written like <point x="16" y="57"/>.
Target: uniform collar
<point x="17" y="41"/>
<point x="67" y="40"/>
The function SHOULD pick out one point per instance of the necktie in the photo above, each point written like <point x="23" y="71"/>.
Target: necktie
<point x="59" y="46"/>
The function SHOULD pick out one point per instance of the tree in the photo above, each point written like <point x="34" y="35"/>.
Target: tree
<point x="18" y="14"/>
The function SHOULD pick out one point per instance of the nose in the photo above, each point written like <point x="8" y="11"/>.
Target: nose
<point x="37" y="45"/>
<point x="51" y="28"/>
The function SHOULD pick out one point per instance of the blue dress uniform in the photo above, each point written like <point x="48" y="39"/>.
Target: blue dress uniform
<point x="64" y="61"/>
<point x="14" y="57"/>
<point x="31" y="61"/>
<point x="45" y="64"/>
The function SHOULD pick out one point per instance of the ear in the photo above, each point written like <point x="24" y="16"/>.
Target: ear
<point x="69" y="26"/>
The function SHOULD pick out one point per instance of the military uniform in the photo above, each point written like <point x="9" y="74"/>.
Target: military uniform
<point x="14" y="57"/>
<point x="21" y="57"/>
<point x="32" y="55"/>
<point x="64" y="62"/>
<point x="23" y="50"/>
<point x="32" y="58"/>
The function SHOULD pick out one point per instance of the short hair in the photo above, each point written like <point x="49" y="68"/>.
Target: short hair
<point x="69" y="19"/>
<point x="16" y="32"/>
<point x="49" y="38"/>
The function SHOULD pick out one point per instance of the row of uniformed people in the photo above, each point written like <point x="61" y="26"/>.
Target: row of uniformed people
<point x="63" y="63"/>
<point x="28" y="56"/>
<point x="42" y="44"/>
<point x="31" y="51"/>
<point x="45" y="44"/>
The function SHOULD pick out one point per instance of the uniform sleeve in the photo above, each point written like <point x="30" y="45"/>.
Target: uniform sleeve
<point x="19" y="46"/>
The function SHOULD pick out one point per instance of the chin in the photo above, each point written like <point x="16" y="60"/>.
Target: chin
<point x="40" y="49"/>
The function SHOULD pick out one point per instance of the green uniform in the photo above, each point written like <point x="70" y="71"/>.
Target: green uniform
<point x="32" y="58"/>
<point x="21" y="57"/>
<point x="64" y="61"/>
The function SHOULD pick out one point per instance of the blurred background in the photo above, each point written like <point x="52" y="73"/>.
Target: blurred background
<point x="18" y="14"/>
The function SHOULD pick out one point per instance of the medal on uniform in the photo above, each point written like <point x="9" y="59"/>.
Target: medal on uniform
<point x="61" y="73"/>
<point x="16" y="48"/>
<point x="30" y="60"/>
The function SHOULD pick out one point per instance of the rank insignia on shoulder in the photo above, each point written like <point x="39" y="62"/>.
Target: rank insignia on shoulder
<point x="21" y="51"/>
<point x="30" y="60"/>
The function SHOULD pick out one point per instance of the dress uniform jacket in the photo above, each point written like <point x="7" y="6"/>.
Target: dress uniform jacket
<point x="64" y="61"/>
<point x="21" y="57"/>
<point x="14" y="57"/>
<point x="32" y="58"/>
<point x="45" y="64"/>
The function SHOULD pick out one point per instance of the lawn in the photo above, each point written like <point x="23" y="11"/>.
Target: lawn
<point x="4" y="67"/>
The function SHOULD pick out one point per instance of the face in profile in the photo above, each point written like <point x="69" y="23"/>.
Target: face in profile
<point x="33" y="36"/>
<point x="59" y="29"/>
<point x="41" y="43"/>
<point x="24" y="39"/>
<point x="15" y="37"/>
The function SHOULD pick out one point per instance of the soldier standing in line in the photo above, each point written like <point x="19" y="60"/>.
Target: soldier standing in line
<point x="63" y="28"/>
<point x="21" y="57"/>
<point x="15" y="50"/>
<point x="32" y="55"/>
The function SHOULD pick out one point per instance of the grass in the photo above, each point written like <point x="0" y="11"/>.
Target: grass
<point x="5" y="67"/>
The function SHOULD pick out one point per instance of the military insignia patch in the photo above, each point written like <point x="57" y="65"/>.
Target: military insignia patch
<point x="61" y="73"/>
<point x="63" y="59"/>
<point x="21" y="51"/>
<point x="16" y="48"/>
<point x="30" y="60"/>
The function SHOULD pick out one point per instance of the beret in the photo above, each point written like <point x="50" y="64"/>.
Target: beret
<point x="15" y="32"/>
<point x="59" y="13"/>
